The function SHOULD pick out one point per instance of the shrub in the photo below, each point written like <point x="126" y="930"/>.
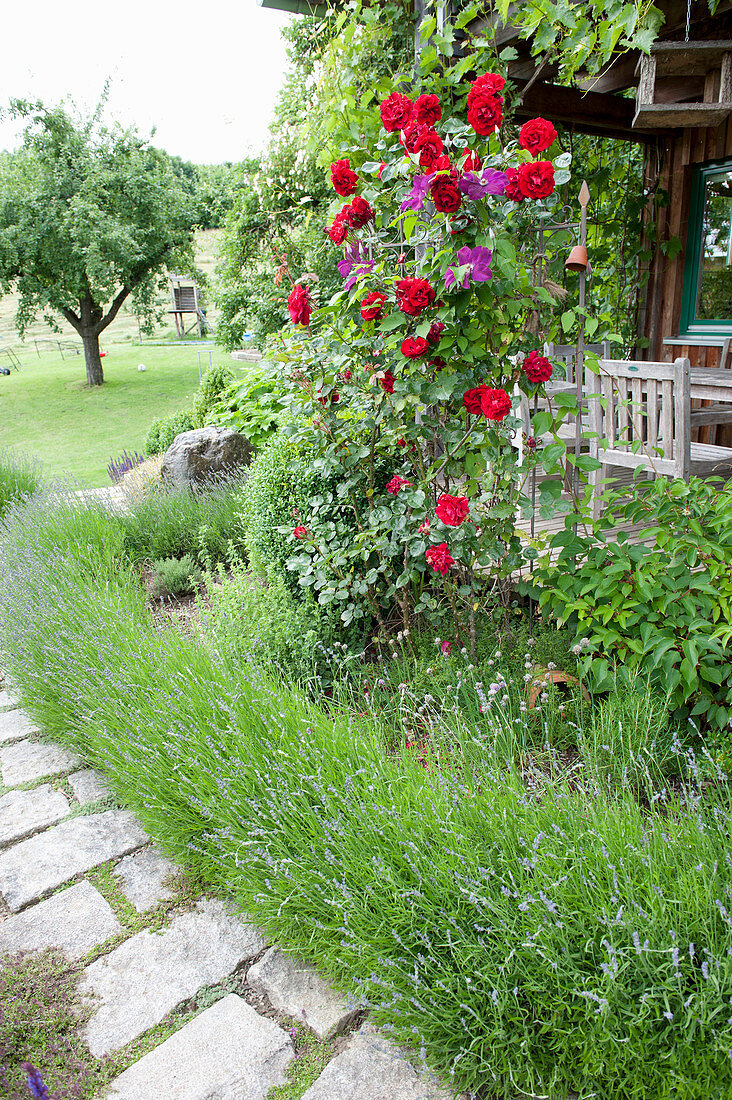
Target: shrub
<point x="20" y="477"/>
<point x="175" y="576"/>
<point x="162" y="432"/>
<point x="213" y="384"/>
<point x="253" y="406"/>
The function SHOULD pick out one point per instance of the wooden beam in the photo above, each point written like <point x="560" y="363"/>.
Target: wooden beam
<point x="588" y="112"/>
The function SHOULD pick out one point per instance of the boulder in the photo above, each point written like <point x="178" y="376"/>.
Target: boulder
<point x="205" y="454"/>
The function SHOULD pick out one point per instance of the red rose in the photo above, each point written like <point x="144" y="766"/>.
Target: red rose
<point x="410" y="134"/>
<point x="343" y="178"/>
<point x="396" y="484"/>
<point x="414" y="346"/>
<point x="443" y="164"/>
<point x="452" y="510"/>
<point x="536" y="179"/>
<point x="387" y="382"/>
<point x="445" y="194"/>
<point x="495" y="404"/>
<point x="537" y="135"/>
<point x="513" y="191"/>
<point x="346" y="375"/>
<point x="486" y="116"/>
<point x="358" y="213"/>
<point x="440" y="558"/>
<point x="382" y="166"/>
<point x="436" y="329"/>
<point x="439" y="364"/>
<point x="414" y="296"/>
<point x="396" y="111"/>
<point x="299" y="305"/>
<point x="427" y="110"/>
<point x="489" y="84"/>
<point x="429" y="146"/>
<point x="471" y="161"/>
<point x="300" y="532"/>
<point x="472" y="399"/>
<point x="537" y="368"/>
<point x="338" y="231"/>
<point x="401" y="442"/>
<point x="372" y="306"/>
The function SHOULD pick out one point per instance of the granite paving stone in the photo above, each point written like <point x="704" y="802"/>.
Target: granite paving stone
<point x="75" y="920"/>
<point x="372" y="1068"/>
<point x="138" y="983"/>
<point x="38" y="865"/>
<point x="295" y="988"/>
<point x="143" y="877"/>
<point x="89" y="785"/>
<point x="29" y="760"/>
<point x="229" y="1052"/>
<point x="7" y="700"/>
<point x="25" y="812"/>
<point x="14" y="725"/>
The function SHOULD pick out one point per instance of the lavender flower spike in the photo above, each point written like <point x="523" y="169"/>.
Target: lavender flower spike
<point x="35" y="1082"/>
<point x="415" y="198"/>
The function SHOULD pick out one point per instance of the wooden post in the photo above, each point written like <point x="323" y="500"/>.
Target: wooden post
<point x="579" y="362"/>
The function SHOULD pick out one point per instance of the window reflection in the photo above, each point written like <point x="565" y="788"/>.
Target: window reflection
<point x="714" y="294"/>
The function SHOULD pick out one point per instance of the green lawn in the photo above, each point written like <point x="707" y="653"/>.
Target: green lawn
<point x="46" y="409"/>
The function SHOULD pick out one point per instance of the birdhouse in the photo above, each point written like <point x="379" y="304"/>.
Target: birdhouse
<point x="684" y="84"/>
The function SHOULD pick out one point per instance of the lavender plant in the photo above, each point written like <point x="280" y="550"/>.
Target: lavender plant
<point x="118" y="467"/>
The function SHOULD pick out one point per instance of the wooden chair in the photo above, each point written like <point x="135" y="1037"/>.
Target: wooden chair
<point x="640" y="417"/>
<point x="565" y="355"/>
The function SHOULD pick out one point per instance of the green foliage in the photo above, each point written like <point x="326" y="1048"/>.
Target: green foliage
<point x="213" y="384"/>
<point x="20" y="477"/>
<point x="175" y="576"/>
<point x="162" y="432"/>
<point x="253" y="405"/>
<point x="665" y="605"/>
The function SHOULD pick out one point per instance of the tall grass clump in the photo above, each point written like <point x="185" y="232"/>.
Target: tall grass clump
<point x="20" y="477"/>
<point x="539" y="935"/>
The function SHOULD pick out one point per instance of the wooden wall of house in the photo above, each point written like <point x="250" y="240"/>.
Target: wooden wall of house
<point x="669" y="163"/>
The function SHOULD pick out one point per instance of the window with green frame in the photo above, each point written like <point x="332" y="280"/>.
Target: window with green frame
<point x="706" y="306"/>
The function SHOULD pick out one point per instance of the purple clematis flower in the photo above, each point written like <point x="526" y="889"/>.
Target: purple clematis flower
<point x="355" y="262"/>
<point x="415" y="198"/>
<point x="476" y="263"/>
<point x="489" y="182"/>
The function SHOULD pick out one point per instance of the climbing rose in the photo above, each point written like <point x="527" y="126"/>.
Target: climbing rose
<point x="440" y="558"/>
<point x="439" y="364"/>
<point x="300" y="532"/>
<point x="429" y="146"/>
<point x="372" y="307"/>
<point x="299" y="305"/>
<point x="445" y="194"/>
<point x="488" y="84"/>
<point x="343" y="178"/>
<point x="513" y="191"/>
<point x="536" y="179"/>
<point x="414" y="296"/>
<point x="472" y="399"/>
<point x="537" y="368"/>
<point x="358" y="213"/>
<point x="396" y="111"/>
<point x="427" y="110"/>
<point x="436" y="330"/>
<point x="485" y="105"/>
<point x="382" y="166"/>
<point x="452" y="510"/>
<point x="387" y="382"/>
<point x="409" y="135"/>
<point x="396" y="484"/>
<point x="537" y="135"/>
<point x="414" y="346"/>
<point x="471" y="161"/>
<point x="338" y="231"/>
<point x="495" y="404"/>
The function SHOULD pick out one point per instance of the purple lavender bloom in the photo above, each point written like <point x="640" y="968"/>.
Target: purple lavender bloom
<point x="35" y="1083"/>
<point x="489" y="182"/>
<point x="353" y="264"/>
<point x="415" y="198"/>
<point x="118" y="467"/>
<point x="477" y="264"/>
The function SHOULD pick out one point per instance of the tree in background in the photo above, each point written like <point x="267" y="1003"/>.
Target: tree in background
<point x="89" y="217"/>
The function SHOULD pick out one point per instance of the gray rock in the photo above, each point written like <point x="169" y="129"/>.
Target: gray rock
<point x="295" y="988"/>
<point x="143" y="876"/>
<point x="25" y="812"/>
<point x="29" y="760"/>
<point x="135" y="986"/>
<point x="229" y="1052"/>
<point x="372" y="1068"/>
<point x="75" y="920"/>
<point x="89" y="786"/>
<point x="36" y="866"/>
<point x="7" y="700"/>
<point x="14" y="725"/>
<point x="193" y="458"/>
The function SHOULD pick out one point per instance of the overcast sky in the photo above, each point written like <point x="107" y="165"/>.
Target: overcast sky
<point x="204" y="74"/>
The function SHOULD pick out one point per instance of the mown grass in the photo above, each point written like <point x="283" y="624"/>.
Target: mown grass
<point x="523" y="929"/>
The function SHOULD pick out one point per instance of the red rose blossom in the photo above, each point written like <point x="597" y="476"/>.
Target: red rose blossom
<point x="472" y="399"/>
<point x="358" y="213"/>
<point x="396" y="111"/>
<point x="346" y="375"/>
<point x="445" y="194"/>
<point x="488" y="84"/>
<point x="537" y="368"/>
<point x="382" y="166"/>
<point x="401" y="442"/>
<point x="440" y="558"/>
<point x="443" y="164"/>
<point x="429" y="146"/>
<point x="436" y="330"/>
<point x="495" y="404"/>
<point x="471" y="161"/>
<point x="414" y="296"/>
<point x="343" y="178"/>
<point x="427" y="110"/>
<point x="387" y="382"/>
<point x="396" y="484"/>
<point x="414" y="346"/>
<point x="410" y="135"/>
<point x="338" y="231"/>
<point x="537" y="135"/>
<point x="301" y="532"/>
<point x="439" y="364"/>
<point x="536" y="179"/>
<point x="513" y="191"/>
<point x="452" y="510"/>
<point x="486" y="116"/>
<point x="372" y="306"/>
<point x="299" y="305"/>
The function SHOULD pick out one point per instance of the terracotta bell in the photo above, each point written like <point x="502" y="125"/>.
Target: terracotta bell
<point x="577" y="259"/>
